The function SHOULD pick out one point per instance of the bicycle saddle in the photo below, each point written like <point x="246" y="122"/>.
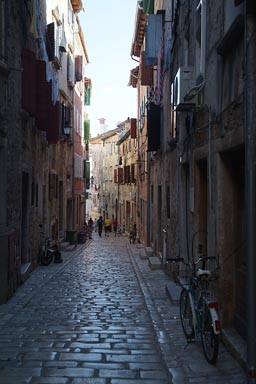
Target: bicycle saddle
<point x="201" y="272"/>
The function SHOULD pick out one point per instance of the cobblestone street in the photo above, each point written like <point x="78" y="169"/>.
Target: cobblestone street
<point x="101" y="317"/>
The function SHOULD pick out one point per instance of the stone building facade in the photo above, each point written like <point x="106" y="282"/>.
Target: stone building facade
<point x="125" y="175"/>
<point x="36" y="150"/>
<point x="190" y="83"/>
<point x="104" y="159"/>
<point x="113" y="169"/>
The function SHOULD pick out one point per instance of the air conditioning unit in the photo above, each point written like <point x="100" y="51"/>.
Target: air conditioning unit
<point x="182" y="83"/>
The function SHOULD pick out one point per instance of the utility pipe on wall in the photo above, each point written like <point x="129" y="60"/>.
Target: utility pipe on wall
<point x="250" y="184"/>
<point x="203" y="37"/>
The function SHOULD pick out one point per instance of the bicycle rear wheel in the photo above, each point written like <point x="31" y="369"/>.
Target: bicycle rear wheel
<point x="47" y="258"/>
<point x="210" y="340"/>
<point x="186" y="315"/>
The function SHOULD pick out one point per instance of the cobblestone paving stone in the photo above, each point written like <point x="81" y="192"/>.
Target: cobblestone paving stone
<point x="101" y="317"/>
<point x="82" y="322"/>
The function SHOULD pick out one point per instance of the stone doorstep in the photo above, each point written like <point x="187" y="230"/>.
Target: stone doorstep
<point x="64" y="245"/>
<point x="25" y="270"/>
<point x="173" y="291"/>
<point x="154" y="262"/>
<point x="235" y="344"/>
<point x="149" y="251"/>
<point x="143" y="255"/>
<point x="70" y="247"/>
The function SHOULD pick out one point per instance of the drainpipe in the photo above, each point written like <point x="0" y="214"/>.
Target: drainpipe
<point x="148" y="199"/>
<point x="250" y="184"/>
<point x="203" y="37"/>
<point x="209" y="157"/>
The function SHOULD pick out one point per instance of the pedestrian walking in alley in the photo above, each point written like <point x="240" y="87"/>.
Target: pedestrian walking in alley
<point x="100" y="224"/>
<point x="107" y="224"/>
<point x="95" y="225"/>
<point x="90" y="229"/>
<point x="115" y="225"/>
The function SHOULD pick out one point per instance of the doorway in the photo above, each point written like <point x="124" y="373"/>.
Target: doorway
<point x="25" y="218"/>
<point x="232" y="238"/>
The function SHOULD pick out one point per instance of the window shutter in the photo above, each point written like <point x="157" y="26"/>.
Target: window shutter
<point x="78" y="68"/>
<point x="86" y="130"/>
<point x="115" y="176"/>
<point x="146" y="72"/>
<point x="128" y="174"/>
<point x="70" y="71"/>
<point x="153" y="38"/>
<point x="133" y="128"/>
<point x="87" y="95"/>
<point x="50" y="41"/>
<point x="153" y="127"/>
<point x="148" y="6"/>
<point x="133" y="173"/>
<point x="28" y="59"/>
<point x="120" y="176"/>
<point x="125" y="174"/>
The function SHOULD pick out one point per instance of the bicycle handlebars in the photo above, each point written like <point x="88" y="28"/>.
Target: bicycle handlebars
<point x="181" y="259"/>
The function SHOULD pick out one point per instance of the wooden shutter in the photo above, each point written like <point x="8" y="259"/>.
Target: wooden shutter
<point x="115" y="176"/>
<point x="78" y="68"/>
<point x="50" y="41"/>
<point x="120" y="176"/>
<point x="29" y="81"/>
<point x="133" y="130"/>
<point x="153" y="127"/>
<point x="133" y="180"/>
<point x="146" y="72"/>
<point x="153" y="38"/>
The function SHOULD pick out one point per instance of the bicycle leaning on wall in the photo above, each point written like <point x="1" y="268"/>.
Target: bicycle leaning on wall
<point x="198" y="308"/>
<point x="48" y="251"/>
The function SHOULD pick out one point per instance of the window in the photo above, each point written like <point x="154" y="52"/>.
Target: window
<point x="53" y="34"/>
<point x="53" y="186"/>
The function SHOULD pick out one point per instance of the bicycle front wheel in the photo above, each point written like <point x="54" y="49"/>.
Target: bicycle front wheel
<point x="210" y="340"/>
<point x="186" y="315"/>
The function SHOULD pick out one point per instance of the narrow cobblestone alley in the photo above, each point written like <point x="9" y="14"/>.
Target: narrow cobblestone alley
<point x="94" y="320"/>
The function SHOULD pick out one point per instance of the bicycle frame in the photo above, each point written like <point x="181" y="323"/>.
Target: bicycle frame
<point x="198" y="310"/>
<point x="199" y="288"/>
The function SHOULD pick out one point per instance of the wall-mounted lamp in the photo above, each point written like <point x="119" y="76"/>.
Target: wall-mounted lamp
<point x="67" y="130"/>
<point x="62" y="49"/>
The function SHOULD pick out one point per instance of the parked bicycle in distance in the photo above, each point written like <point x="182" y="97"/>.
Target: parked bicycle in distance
<point x="121" y="230"/>
<point x="48" y="252"/>
<point x="198" y="308"/>
<point x="133" y="234"/>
